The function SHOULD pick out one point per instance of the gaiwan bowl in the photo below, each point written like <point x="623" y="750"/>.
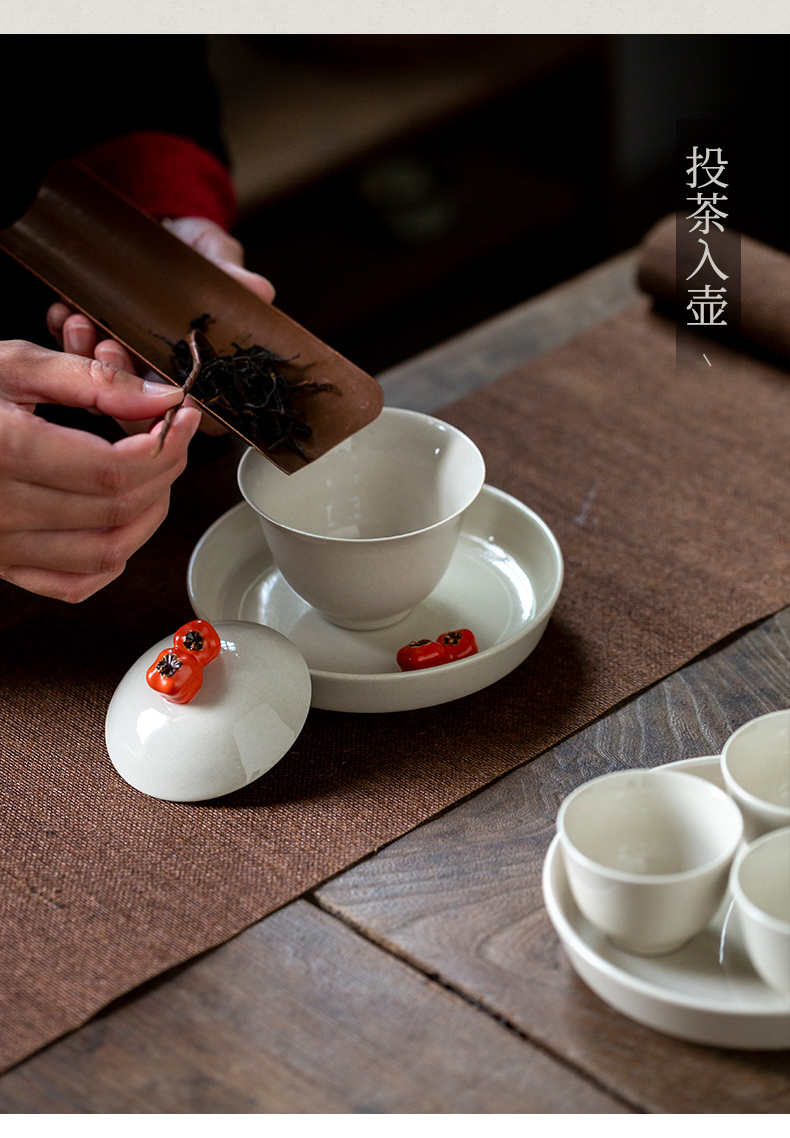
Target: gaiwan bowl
<point x="249" y="710"/>
<point x="367" y="531"/>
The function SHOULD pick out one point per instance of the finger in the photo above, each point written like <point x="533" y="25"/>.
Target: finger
<point x="27" y="507"/>
<point x="46" y="454"/>
<point x="112" y="353"/>
<point x="79" y="335"/>
<point x="115" y="355"/>
<point x="95" y="552"/>
<point x="31" y="374"/>
<point x="69" y="587"/>
<point x="57" y="315"/>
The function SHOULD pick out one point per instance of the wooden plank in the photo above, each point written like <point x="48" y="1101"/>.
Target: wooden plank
<point x="460" y="896"/>
<point x="297" y="1015"/>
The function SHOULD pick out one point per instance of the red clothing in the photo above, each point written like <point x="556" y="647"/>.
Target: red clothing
<point x="165" y="175"/>
<point x="147" y="121"/>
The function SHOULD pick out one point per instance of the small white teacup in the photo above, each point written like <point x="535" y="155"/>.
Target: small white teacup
<point x="648" y="855"/>
<point x="755" y="765"/>
<point x="760" y="884"/>
<point x="366" y="532"/>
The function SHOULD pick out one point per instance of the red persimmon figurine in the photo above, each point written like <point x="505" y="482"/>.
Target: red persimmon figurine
<point x="421" y="654"/>
<point x="459" y="643"/>
<point x="454" y="645"/>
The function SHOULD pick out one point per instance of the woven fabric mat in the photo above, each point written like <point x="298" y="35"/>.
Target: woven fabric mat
<point x="669" y="496"/>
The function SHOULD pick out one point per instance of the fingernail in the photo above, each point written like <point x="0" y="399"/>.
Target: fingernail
<point x="160" y="389"/>
<point x="111" y="353"/>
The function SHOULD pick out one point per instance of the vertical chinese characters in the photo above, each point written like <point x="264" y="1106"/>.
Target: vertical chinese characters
<point x="707" y="302"/>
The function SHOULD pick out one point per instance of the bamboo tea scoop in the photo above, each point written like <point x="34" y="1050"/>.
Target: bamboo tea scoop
<point x="145" y="287"/>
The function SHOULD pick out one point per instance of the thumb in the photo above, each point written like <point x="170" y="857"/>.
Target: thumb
<point x="30" y="374"/>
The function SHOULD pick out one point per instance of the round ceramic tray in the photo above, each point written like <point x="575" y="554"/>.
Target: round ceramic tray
<point x="503" y="583"/>
<point x="706" y="992"/>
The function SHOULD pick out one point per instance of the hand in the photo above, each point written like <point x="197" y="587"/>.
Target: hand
<point x="74" y="507"/>
<point x="76" y="333"/>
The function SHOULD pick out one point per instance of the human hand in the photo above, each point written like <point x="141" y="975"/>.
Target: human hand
<point x="73" y="506"/>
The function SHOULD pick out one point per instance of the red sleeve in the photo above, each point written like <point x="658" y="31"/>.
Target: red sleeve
<point x="165" y="175"/>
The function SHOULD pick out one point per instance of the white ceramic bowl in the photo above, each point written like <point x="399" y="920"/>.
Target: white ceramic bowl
<point x="503" y="582"/>
<point x="760" y="884"/>
<point x="755" y="763"/>
<point x="648" y="854"/>
<point x="367" y="531"/>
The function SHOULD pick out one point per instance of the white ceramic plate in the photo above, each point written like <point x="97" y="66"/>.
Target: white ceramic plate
<point x="503" y="583"/>
<point x="707" y="992"/>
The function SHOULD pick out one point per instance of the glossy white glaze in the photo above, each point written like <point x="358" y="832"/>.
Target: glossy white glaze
<point x="503" y="582"/>
<point x="755" y="764"/>
<point x="648" y="854"/>
<point x="366" y="532"/>
<point x="248" y="713"/>
<point x="707" y="992"/>
<point x="760" y="884"/>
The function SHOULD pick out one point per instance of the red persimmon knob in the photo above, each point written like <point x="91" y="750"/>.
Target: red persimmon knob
<point x="176" y="675"/>
<point x="200" y="639"/>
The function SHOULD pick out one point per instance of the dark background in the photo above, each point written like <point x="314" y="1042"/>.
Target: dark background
<point x="559" y="153"/>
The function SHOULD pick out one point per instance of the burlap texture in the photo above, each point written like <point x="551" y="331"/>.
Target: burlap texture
<point x="669" y="496"/>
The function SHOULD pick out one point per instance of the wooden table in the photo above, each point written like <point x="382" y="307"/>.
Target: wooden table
<point x="428" y="978"/>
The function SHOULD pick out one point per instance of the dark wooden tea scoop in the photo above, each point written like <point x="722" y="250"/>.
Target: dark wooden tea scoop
<point x="147" y="289"/>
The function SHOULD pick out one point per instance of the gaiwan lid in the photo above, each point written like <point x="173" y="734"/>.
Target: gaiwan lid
<point x="207" y="711"/>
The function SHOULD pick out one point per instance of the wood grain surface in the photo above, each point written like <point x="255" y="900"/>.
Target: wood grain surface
<point x="297" y="1015"/>
<point x="432" y="981"/>
<point x="460" y="897"/>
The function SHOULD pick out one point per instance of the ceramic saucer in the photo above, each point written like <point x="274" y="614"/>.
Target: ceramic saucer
<point x="503" y="583"/>
<point x="706" y="992"/>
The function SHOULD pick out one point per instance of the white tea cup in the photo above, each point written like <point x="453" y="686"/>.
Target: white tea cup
<point x="366" y="532"/>
<point x="760" y="884"/>
<point x="648" y="854"/>
<point x="755" y="766"/>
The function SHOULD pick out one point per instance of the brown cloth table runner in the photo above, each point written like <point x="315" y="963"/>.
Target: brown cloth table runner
<point x="669" y="496"/>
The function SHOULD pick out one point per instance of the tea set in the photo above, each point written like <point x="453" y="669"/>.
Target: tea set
<point x="389" y="539"/>
<point x="670" y="890"/>
<point x="313" y="585"/>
